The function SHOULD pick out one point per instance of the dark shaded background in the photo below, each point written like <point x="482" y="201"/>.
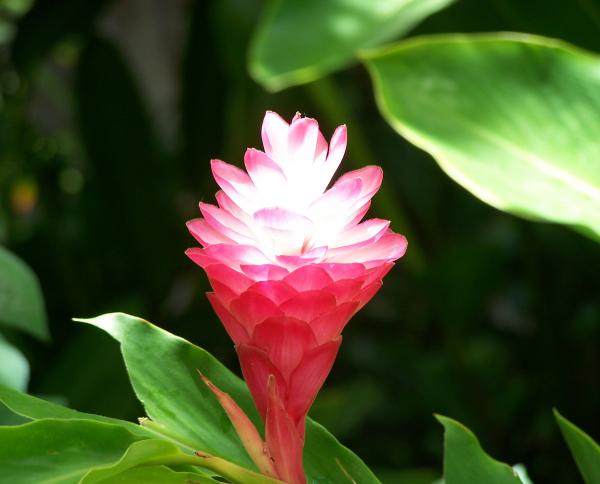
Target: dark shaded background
<point x="109" y="115"/>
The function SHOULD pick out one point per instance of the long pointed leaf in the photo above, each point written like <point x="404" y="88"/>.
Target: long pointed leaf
<point x="163" y="371"/>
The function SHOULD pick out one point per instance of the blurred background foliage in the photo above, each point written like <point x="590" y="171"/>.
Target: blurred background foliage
<point x="109" y="115"/>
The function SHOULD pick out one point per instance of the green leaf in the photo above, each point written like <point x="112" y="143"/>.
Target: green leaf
<point x="14" y="370"/>
<point x="59" y="451"/>
<point x="162" y="368"/>
<point x="21" y="300"/>
<point x="144" y="453"/>
<point x="515" y="119"/>
<point x="585" y="451"/>
<point x="465" y="462"/>
<point x="36" y="409"/>
<point x="157" y="475"/>
<point x="298" y="42"/>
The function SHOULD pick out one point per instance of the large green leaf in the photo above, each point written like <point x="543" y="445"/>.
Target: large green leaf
<point x="14" y="370"/>
<point x="585" y="451"/>
<point x="143" y="453"/>
<point x="21" y="301"/>
<point x="37" y="409"/>
<point x="298" y="42"/>
<point x="162" y="368"/>
<point x="513" y="118"/>
<point x="58" y="451"/>
<point x="156" y="475"/>
<point x="465" y="462"/>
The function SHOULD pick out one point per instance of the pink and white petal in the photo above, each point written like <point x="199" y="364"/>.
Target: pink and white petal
<point x="282" y="219"/>
<point x="366" y="232"/>
<point x="202" y="231"/>
<point x="275" y="136"/>
<point x="357" y="214"/>
<point x="292" y="262"/>
<point x="235" y="255"/>
<point x="390" y="247"/>
<point x="321" y="151"/>
<point x="236" y="331"/>
<point x="200" y="257"/>
<point x="309" y="277"/>
<point x="337" y="148"/>
<point x="276" y="291"/>
<point x="256" y="368"/>
<point x="342" y="248"/>
<point x="264" y="172"/>
<point x="338" y="199"/>
<point x="303" y="137"/>
<point x="330" y="325"/>
<point x="308" y="305"/>
<point x="285" y="340"/>
<point x="231" y="278"/>
<point x="308" y="378"/>
<point x="370" y="176"/>
<point x="235" y="183"/>
<point x="251" y="309"/>
<point x="227" y="204"/>
<point x="264" y="272"/>
<point x="225" y="223"/>
<point x="338" y="271"/>
<point x="281" y="241"/>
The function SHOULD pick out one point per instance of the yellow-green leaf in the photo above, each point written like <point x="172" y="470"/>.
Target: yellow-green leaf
<point x="513" y="118"/>
<point x="300" y="41"/>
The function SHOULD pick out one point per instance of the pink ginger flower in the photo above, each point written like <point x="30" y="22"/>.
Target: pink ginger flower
<point x="290" y="262"/>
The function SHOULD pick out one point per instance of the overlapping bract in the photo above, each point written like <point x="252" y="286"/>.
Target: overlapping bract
<point x="290" y="262"/>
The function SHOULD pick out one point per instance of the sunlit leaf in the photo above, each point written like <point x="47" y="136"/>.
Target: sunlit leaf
<point x="298" y="42"/>
<point x="585" y="451"/>
<point x="466" y="462"/>
<point x="162" y="368"/>
<point x="156" y="475"/>
<point x="513" y="118"/>
<point x="14" y="368"/>
<point x="142" y="453"/>
<point x="21" y="300"/>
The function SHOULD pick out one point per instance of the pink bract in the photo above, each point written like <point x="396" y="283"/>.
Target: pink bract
<point x="290" y="262"/>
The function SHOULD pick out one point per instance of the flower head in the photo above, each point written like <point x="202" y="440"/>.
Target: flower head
<point x="290" y="262"/>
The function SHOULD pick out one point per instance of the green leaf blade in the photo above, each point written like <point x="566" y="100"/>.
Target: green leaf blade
<point x="37" y="409"/>
<point x="157" y="475"/>
<point x="14" y="370"/>
<point x="162" y="368"/>
<point x="585" y="450"/>
<point x="53" y="451"/>
<point x="298" y="42"/>
<point x="466" y="462"/>
<point x="21" y="301"/>
<point x="513" y="118"/>
<point x="144" y="453"/>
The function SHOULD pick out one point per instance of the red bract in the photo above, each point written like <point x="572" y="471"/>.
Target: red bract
<point x="290" y="262"/>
